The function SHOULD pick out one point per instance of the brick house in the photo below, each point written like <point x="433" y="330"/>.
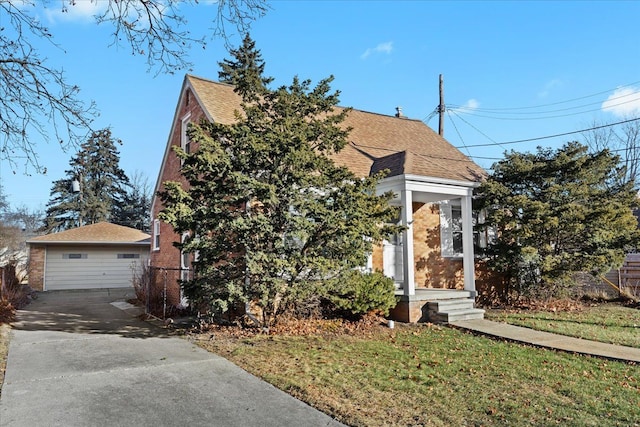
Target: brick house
<point x="432" y="262"/>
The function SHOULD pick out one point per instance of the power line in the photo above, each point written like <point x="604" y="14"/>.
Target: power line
<point x="560" y="102"/>
<point x="552" y="136"/>
<point x="458" y="132"/>
<point x="432" y="115"/>
<point x="610" y="150"/>
<point x="472" y="126"/>
<point x="546" y="117"/>
<point x="470" y="110"/>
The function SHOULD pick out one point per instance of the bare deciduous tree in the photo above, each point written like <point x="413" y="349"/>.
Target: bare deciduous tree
<point x="623" y="140"/>
<point x="35" y="96"/>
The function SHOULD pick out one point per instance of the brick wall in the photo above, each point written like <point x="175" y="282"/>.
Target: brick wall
<point x="432" y="270"/>
<point x="35" y="267"/>
<point x="168" y="256"/>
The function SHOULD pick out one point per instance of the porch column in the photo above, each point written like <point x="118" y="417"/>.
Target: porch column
<point x="406" y="217"/>
<point x="468" y="259"/>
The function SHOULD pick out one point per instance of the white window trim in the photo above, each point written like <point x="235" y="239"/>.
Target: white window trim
<point x="184" y="272"/>
<point x="156" y="234"/>
<point x="483" y="237"/>
<point x="446" y="231"/>
<point x="183" y="265"/>
<point x="184" y="138"/>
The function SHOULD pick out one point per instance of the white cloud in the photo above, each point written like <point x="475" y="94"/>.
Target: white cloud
<point x="471" y="104"/>
<point x="552" y="84"/>
<point x="385" y="48"/>
<point x="75" y="10"/>
<point x="623" y="102"/>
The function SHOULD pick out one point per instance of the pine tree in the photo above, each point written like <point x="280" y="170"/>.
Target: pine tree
<point x="245" y="71"/>
<point x="271" y="217"/>
<point x="556" y="213"/>
<point x="134" y="209"/>
<point x="102" y="185"/>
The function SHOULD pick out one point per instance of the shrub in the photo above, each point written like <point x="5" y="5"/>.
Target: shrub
<point x="7" y="311"/>
<point x="359" y="293"/>
<point x="141" y="281"/>
<point x="13" y="294"/>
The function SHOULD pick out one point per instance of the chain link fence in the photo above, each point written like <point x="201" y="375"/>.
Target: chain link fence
<point x="158" y="288"/>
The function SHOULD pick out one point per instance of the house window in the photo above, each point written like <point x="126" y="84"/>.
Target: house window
<point x="392" y="258"/>
<point x="451" y="229"/>
<point x="128" y="256"/>
<point x="456" y="229"/>
<point x="184" y="256"/>
<point x="156" y="234"/>
<point x="185" y="142"/>
<point x="75" y="256"/>
<point x="185" y="269"/>
<point x="482" y="238"/>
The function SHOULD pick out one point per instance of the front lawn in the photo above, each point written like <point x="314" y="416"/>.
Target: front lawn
<point x="425" y="375"/>
<point x="604" y="322"/>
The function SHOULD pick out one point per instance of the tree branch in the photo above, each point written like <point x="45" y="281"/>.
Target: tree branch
<point x="35" y="96"/>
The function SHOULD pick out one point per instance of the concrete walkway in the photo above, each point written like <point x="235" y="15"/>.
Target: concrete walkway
<point x="75" y="359"/>
<point x="549" y="340"/>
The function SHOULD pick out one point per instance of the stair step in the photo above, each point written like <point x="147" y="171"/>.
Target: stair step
<point x="456" y="315"/>
<point x="442" y="294"/>
<point x="451" y="304"/>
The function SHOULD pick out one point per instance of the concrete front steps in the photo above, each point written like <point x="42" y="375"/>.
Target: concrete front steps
<point x="453" y="310"/>
<point x="436" y="306"/>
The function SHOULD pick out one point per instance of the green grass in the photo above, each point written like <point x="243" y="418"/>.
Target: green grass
<point x="607" y="322"/>
<point x="432" y="376"/>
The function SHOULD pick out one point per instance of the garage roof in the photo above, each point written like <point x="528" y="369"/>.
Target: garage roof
<point x="100" y="233"/>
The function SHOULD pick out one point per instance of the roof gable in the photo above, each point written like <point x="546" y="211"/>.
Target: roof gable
<point x="218" y="100"/>
<point x="405" y="146"/>
<point x="99" y="233"/>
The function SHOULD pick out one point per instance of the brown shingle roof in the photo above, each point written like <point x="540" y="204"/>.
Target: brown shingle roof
<point x="101" y="233"/>
<point x="218" y="99"/>
<point x="376" y="142"/>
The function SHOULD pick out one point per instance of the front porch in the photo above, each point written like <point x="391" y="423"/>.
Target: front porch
<point x="435" y="306"/>
<point x="432" y="261"/>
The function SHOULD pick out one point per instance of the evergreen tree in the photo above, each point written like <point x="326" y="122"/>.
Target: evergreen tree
<point x="245" y="71"/>
<point x="270" y="216"/>
<point x="556" y="213"/>
<point x="102" y="185"/>
<point x="134" y="209"/>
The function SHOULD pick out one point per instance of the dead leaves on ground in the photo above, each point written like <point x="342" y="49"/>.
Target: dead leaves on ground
<point x="367" y="326"/>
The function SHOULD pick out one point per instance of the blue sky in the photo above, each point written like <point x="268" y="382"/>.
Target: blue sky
<point x="565" y="61"/>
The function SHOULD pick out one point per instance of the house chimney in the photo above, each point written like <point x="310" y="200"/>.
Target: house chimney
<point x="399" y="112"/>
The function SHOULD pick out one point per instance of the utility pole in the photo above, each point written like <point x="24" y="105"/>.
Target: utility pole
<point x="441" y="108"/>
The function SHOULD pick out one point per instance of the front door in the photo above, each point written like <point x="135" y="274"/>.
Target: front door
<point x="392" y="259"/>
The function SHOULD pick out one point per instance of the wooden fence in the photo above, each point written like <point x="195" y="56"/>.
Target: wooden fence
<point x="629" y="275"/>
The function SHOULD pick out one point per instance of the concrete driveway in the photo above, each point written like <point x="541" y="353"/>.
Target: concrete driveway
<point x="75" y="359"/>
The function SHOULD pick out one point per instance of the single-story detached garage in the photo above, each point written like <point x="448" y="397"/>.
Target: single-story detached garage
<point x="101" y="255"/>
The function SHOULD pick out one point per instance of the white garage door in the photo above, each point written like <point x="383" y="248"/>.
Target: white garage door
<point x="86" y="267"/>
